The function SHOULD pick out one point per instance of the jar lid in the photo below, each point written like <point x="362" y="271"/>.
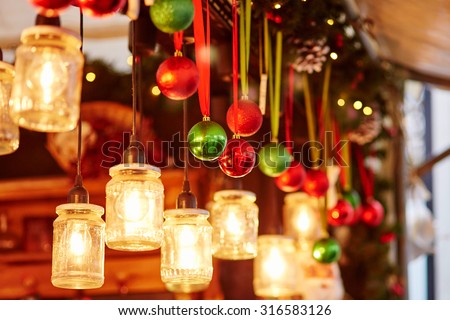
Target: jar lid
<point x="186" y="212"/>
<point x="234" y="194"/>
<point x="6" y="70"/>
<point x="133" y="167"/>
<point x="81" y="206"/>
<point x="51" y="31"/>
<point x="296" y="196"/>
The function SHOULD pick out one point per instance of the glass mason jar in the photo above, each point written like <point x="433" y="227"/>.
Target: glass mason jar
<point x="301" y="217"/>
<point x="234" y="217"/>
<point x="134" y="207"/>
<point x="47" y="87"/>
<point x="78" y="256"/>
<point x="186" y="250"/>
<point x="275" y="267"/>
<point x="9" y="131"/>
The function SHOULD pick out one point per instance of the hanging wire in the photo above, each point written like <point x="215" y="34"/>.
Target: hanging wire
<point x="133" y="76"/>
<point x="79" y="194"/>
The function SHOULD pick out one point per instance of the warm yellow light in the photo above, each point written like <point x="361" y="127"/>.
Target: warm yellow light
<point x="357" y="105"/>
<point x="303" y="219"/>
<point x="277" y="5"/>
<point x="274" y="266"/>
<point x="234" y="226"/>
<point x="77" y="244"/>
<point x="90" y="77"/>
<point x="367" y="110"/>
<point x="341" y="102"/>
<point x="135" y="205"/>
<point x="130" y="60"/>
<point x="333" y="55"/>
<point x="155" y="91"/>
<point x="330" y="22"/>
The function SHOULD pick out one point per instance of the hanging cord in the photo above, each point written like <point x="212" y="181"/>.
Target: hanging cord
<point x="186" y="199"/>
<point x="134" y="153"/>
<point x="79" y="194"/>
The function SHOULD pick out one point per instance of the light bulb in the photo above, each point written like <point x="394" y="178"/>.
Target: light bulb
<point x="187" y="247"/>
<point x="274" y="265"/>
<point x="303" y="219"/>
<point x="77" y="246"/>
<point x="133" y="205"/>
<point x="47" y="76"/>
<point x="233" y="225"/>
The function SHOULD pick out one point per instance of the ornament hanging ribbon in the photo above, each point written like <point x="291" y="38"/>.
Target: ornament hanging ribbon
<point x="244" y="43"/>
<point x="235" y="65"/>
<point x="310" y="118"/>
<point x="289" y="111"/>
<point x="274" y="81"/>
<point x="203" y="55"/>
<point x="178" y="42"/>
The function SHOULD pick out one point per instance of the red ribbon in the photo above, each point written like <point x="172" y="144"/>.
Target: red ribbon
<point x="178" y="40"/>
<point x="235" y="66"/>
<point x="365" y="174"/>
<point x="288" y="114"/>
<point x="202" y="54"/>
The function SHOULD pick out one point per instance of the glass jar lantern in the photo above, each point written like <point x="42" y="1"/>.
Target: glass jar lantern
<point x="275" y="267"/>
<point x="47" y="87"/>
<point x="9" y="131"/>
<point x="186" y="250"/>
<point x="78" y="255"/>
<point x="234" y="217"/>
<point x="301" y="217"/>
<point x="134" y="207"/>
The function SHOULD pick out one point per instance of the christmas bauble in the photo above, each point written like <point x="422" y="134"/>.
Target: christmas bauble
<point x="341" y="214"/>
<point x="101" y="8"/>
<point x="274" y="159"/>
<point x="316" y="183"/>
<point x="292" y="179"/>
<point x="353" y="197"/>
<point x="171" y="16"/>
<point x="249" y="118"/>
<point x="51" y="8"/>
<point x="177" y="78"/>
<point x="372" y="213"/>
<point x="207" y="140"/>
<point x="356" y="215"/>
<point x="326" y="250"/>
<point x="238" y="159"/>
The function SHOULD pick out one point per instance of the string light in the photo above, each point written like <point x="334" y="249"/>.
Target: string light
<point x="155" y="91"/>
<point x="341" y="102"/>
<point x="277" y="6"/>
<point x="333" y="55"/>
<point x="90" y="77"/>
<point x="330" y="22"/>
<point x="357" y="105"/>
<point x="367" y="110"/>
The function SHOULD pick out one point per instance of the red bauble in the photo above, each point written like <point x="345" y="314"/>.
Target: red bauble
<point x="292" y="179"/>
<point x="101" y="8"/>
<point x="177" y="78"/>
<point x="51" y="8"/>
<point x="372" y="213"/>
<point x="316" y="183"/>
<point x="249" y="118"/>
<point x="341" y="214"/>
<point x="356" y="215"/>
<point x="238" y="159"/>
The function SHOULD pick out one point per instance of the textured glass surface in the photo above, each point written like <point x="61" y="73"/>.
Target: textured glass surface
<point x="9" y="131"/>
<point x="234" y="217"/>
<point x="78" y="255"/>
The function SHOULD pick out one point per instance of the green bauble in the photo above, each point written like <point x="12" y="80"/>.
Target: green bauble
<point x="326" y="250"/>
<point x="274" y="158"/>
<point x="171" y="16"/>
<point x="353" y="197"/>
<point x="207" y="140"/>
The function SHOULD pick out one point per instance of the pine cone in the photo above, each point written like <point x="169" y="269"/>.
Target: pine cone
<point x="367" y="131"/>
<point x="311" y="55"/>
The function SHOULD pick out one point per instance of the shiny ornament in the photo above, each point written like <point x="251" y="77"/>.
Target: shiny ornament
<point x="177" y="78"/>
<point x="207" y="140"/>
<point x="249" y="118"/>
<point x="353" y="197"/>
<point x="341" y="214"/>
<point x="101" y="8"/>
<point x="171" y="16"/>
<point x="292" y="179"/>
<point x="372" y="213"/>
<point x="51" y="8"/>
<point x="316" y="183"/>
<point x="326" y="250"/>
<point x="238" y="159"/>
<point x="274" y="159"/>
<point x="356" y="215"/>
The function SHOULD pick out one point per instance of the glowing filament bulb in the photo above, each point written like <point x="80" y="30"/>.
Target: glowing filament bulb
<point x="274" y="265"/>
<point x="133" y="205"/>
<point x="77" y="245"/>
<point x="186" y="248"/>
<point x="303" y="221"/>
<point x="233" y="226"/>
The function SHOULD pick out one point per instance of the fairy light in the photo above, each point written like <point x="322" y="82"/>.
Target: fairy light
<point x="357" y="105"/>
<point x="330" y="22"/>
<point x="367" y="110"/>
<point x="341" y="102"/>
<point x="155" y="91"/>
<point x="90" y="76"/>
<point x="130" y="60"/>
<point x="277" y="6"/>
<point x="333" y="55"/>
